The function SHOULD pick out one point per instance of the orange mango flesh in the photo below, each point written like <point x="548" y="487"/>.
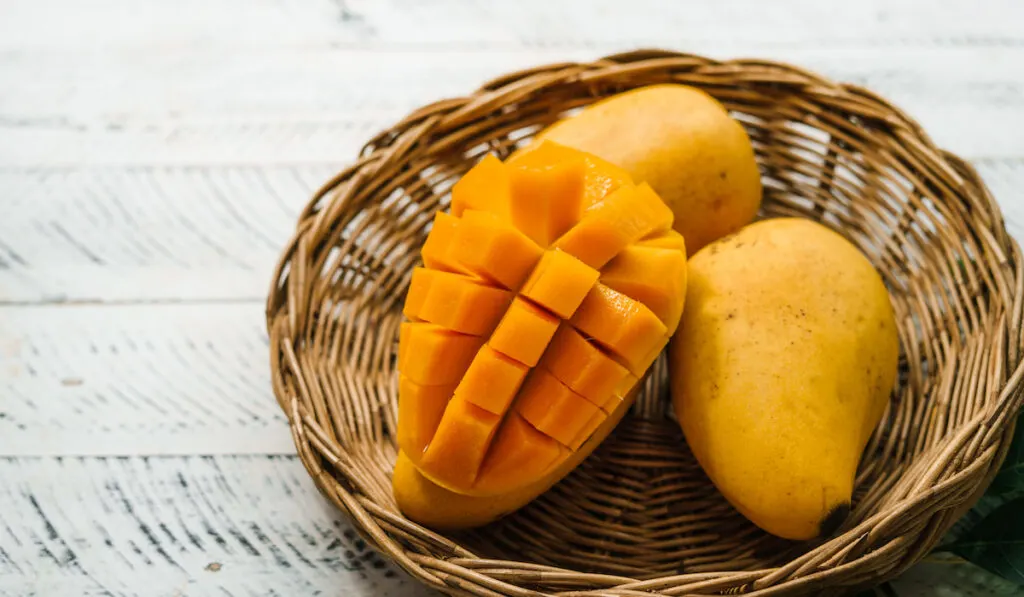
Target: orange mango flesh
<point x="492" y="249"/>
<point x="624" y="326"/>
<point x="531" y="453"/>
<point x="625" y="216"/>
<point x="492" y="381"/>
<point x="530" y="326"/>
<point x="430" y="355"/>
<point x="437" y="507"/>
<point x="652" y="275"/>
<point x="436" y="251"/>
<point x="584" y="368"/>
<point x="554" y="409"/>
<point x="455" y="302"/>
<point x="524" y="332"/>
<point x="547" y="200"/>
<point x="457" y="449"/>
<point x="559" y="283"/>
<point x="601" y="177"/>
<point x="484" y="188"/>
<point x="419" y="413"/>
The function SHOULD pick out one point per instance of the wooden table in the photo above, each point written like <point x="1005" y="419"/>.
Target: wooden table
<point x="153" y="159"/>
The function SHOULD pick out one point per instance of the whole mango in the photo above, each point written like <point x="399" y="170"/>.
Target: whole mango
<point x="683" y="143"/>
<point x="781" y="369"/>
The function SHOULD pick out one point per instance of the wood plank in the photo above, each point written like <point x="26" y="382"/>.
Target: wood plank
<point x="527" y="23"/>
<point x="147" y="233"/>
<point x="137" y="380"/>
<point x="191" y="105"/>
<point x="226" y="526"/>
<point x="193" y="233"/>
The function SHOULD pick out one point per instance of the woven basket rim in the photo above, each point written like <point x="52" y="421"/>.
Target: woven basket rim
<point x="877" y="548"/>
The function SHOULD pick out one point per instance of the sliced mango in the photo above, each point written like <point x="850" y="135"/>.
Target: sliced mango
<point x="584" y="368"/>
<point x="519" y="455"/>
<point x="600" y="178"/>
<point x="458" y="447"/>
<point x="625" y="216"/>
<point x="524" y="332"/>
<point x="545" y="295"/>
<point x="493" y="249"/>
<point x="419" y="413"/>
<point x="436" y="251"/>
<point x="547" y="200"/>
<point x="554" y="409"/>
<point x="622" y="325"/>
<point x="492" y="380"/>
<point x="430" y="355"/>
<point x="559" y="283"/>
<point x="456" y="302"/>
<point x="484" y="188"/>
<point x="588" y="429"/>
<point x="669" y="239"/>
<point x="652" y="275"/>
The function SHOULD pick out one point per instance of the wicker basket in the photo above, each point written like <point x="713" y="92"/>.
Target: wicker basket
<point x="639" y="517"/>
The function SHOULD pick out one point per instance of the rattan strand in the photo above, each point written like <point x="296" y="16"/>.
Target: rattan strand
<point x="832" y="152"/>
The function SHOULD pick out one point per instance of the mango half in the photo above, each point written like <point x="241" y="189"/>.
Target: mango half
<point x="545" y="295"/>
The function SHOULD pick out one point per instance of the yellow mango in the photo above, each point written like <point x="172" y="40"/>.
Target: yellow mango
<point x="781" y="369"/>
<point x="683" y="143"/>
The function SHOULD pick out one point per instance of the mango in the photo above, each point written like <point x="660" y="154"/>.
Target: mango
<point x="516" y="359"/>
<point x="433" y="505"/>
<point x="682" y="142"/>
<point x="782" y="367"/>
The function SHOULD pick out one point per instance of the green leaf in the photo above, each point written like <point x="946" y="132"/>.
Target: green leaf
<point x="1011" y="476"/>
<point x="997" y="542"/>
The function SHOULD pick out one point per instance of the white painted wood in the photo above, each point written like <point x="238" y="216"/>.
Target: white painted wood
<point x="153" y="158"/>
<point x="319" y="104"/>
<point x="526" y="23"/>
<point x="128" y="380"/>
<point x="225" y="526"/>
<point x="147" y="233"/>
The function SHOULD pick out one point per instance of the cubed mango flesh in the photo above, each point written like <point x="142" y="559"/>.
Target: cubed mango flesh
<point x="652" y="275"/>
<point x="432" y="356"/>
<point x="554" y="409"/>
<point x="559" y="283"/>
<point x="492" y="381"/>
<point x="583" y="367"/>
<point x="625" y="327"/>
<point x="493" y="249"/>
<point x="547" y="200"/>
<point x="419" y="413"/>
<point x="457" y="449"/>
<point x="544" y="296"/>
<point x="625" y="216"/>
<point x="483" y="188"/>
<point x="519" y="456"/>
<point x="524" y="332"/>
<point x="455" y="302"/>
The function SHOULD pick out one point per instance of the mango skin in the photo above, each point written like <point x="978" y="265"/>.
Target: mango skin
<point x="433" y="506"/>
<point x="683" y="143"/>
<point x="781" y="369"/>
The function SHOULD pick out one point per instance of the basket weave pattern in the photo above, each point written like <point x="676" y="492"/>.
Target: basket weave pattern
<point x="639" y="517"/>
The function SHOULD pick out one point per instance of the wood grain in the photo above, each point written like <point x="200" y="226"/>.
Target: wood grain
<point x="194" y="526"/>
<point x="137" y="380"/>
<point x="527" y="23"/>
<point x="244" y="105"/>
